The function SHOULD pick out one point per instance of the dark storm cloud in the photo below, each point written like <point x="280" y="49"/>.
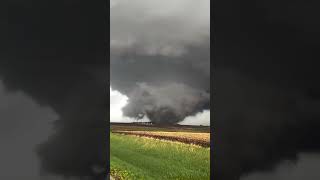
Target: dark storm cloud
<point x="19" y="134"/>
<point x="172" y="102"/>
<point x="267" y="90"/>
<point x="53" y="51"/>
<point x="305" y="168"/>
<point x="160" y="43"/>
<point x="158" y="27"/>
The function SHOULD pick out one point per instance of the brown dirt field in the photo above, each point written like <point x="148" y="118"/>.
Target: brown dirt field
<point x="176" y="128"/>
<point x="202" y="139"/>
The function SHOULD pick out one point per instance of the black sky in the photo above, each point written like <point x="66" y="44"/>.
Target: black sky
<point x="267" y="90"/>
<point x="54" y="53"/>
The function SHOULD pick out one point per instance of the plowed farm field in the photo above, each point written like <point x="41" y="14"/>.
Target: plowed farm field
<point x="153" y="152"/>
<point x="202" y="139"/>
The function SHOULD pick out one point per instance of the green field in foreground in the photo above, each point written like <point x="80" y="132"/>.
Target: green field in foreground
<point x="134" y="157"/>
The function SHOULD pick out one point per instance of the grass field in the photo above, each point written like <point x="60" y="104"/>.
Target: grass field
<point x="134" y="157"/>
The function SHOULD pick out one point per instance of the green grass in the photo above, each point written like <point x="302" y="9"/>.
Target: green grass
<point x="151" y="159"/>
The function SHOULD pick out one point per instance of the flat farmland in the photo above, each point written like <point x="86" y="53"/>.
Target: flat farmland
<point x="175" y="128"/>
<point x="202" y="139"/>
<point x="152" y="152"/>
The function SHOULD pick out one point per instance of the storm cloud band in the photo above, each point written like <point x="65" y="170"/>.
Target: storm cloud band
<point x="160" y="50"/>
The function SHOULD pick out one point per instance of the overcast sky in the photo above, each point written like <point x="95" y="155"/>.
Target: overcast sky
<point x="163" y="44"/>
